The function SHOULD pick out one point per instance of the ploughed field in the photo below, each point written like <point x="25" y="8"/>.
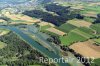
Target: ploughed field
<point x="86" y="49"/>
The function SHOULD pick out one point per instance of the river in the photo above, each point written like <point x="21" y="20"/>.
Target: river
<point x="35" y="44"/>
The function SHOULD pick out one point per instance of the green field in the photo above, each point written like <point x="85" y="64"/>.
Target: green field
<point x="45" y="27"/>
<point x="35" y="65"/>
<point x="79" y="34"/>
<point x="97" y="41"/>
<point x="87" y="31"/>
<point x="71" y="38"/>
<point x="91" y="8"/>
<point x="96" y="62"/>
<point x="96" y="27"/>
<point x="89" y="19"/>
<point x="67" y="27"/>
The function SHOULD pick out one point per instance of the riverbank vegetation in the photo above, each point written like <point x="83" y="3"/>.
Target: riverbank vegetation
<point x="18" y="52"/>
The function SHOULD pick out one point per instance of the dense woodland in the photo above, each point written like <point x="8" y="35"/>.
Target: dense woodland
<point x="62" y="14"/>
<point x="23" y="52"/>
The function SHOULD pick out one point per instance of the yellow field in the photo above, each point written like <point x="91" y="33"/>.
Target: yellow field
<point x="79" y="23"/>
<point x="27" y="19"/>
<point x="90" y="14"/>
<point x="18" y="17"/>
<point x="79" y="7"/>
<point x="94" y="4"/>
<point x="3" y="32"/>
<point x="25" y="22"/>
<point x="41" y="23"/>
<point x="1" y="20"/>
<point x="56" y="31"/>
<point x="86" y="49"/>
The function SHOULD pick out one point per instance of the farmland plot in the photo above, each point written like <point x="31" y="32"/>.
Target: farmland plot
<point x="77" y="35"/>
<point x="94" y="51"/>
<point x="67" y="27"/>
<point x="96" y="27"/>
<point x="97" y="41"/>
<point x="71" y="38"/>
<point x="79" y="23"/>
<point x="56" y="31"/>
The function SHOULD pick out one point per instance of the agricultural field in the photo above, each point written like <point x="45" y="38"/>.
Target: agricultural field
<point x="71" y="38"/>
<point x="94" y="9"/>
<point x="97" y="41"/>
<point x="87" y="45"/>
<point x="66" y="27"/>
<point x="89" y="19"/>
<point x="79" y="23"/>
<point x="56" y="31"/>
<point x="96" y="62"/>
<point x="77" y="35"/>
<point x="90" y="14"/>
<point x="3" y="32"/>
<point x="19" y="18"/>
<point x="61" y="28"/>
<point x="1" y="20"/>
<point x="96" y="27"/>
<point x="35" y="65"/>
<point x="2" y="45"/>
<point x="44" y="27"/>
<point x="84" y="32"/>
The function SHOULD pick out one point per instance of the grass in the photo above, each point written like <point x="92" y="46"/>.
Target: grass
<point x="3" y="65"/>
<point x="49" y="33"/>
<point x="88" y="19"/>
<point x="87" y="30"/>
<point x="67" y="27"/>
<point x="85" y="35"/>
<point x="17" y="21"/>
<point x="2" y="45"/>
<point x="91" y="8"/>
<point x="96" y="27"/>
<point x="4" y="32"/>
<point x="76" y="35"/>
<point x="96" y="62"/>
<point x="35" y="65"/>
<point x="45" y="27"/>
<point x="10" y="59"/>
<point x="97" y="41"/>
<point x="79" y="23"/>
<point x="71" y="38"/>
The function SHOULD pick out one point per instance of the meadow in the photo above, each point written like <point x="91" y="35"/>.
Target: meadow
<point x="67" y="27"/>
<point x="96" y="27"/>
